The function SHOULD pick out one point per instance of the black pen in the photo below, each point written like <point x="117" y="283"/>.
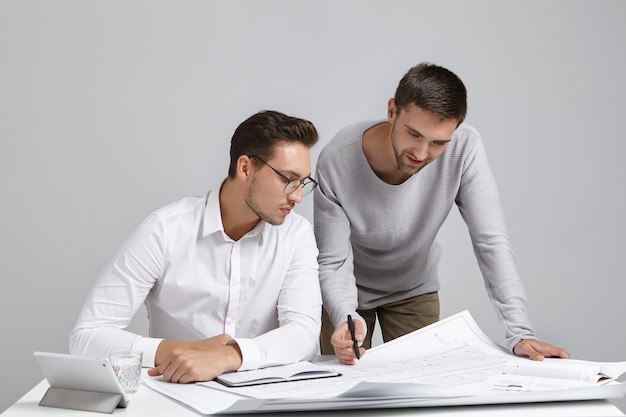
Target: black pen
<point x="355" y="343"/>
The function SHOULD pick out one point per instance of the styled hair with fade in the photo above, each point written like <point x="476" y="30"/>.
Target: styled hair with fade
<point x="262" y="132"/>
<point x="434" y="89"/>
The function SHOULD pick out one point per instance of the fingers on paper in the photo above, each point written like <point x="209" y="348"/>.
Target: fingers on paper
<point x="179" y="368"/>
<point x="538" y="350"/>
<point x="347" y="356"/>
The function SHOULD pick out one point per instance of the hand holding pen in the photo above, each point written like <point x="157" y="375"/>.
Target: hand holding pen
<point x="346" y="339"/>
<point x="355" y="344"/>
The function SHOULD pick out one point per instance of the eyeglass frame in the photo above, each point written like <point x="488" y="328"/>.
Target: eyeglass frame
<point x="301" y="183"/>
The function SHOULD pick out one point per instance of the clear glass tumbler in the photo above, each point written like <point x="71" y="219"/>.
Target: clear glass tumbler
<point x="127" y="367"/>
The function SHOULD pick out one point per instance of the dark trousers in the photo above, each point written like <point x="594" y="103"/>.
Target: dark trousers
<point x="396" y="319"/>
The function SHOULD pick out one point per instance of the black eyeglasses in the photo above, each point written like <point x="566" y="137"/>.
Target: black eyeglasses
<point x="307" y="185"/>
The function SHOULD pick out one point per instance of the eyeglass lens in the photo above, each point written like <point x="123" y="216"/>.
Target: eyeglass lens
<point x="293" y="185"/>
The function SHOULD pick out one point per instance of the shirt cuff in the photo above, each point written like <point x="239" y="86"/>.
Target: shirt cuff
<point x="251" y="357"/>
<point x="149" y="346"/>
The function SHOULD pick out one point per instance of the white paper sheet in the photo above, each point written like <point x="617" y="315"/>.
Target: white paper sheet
<point x="451" y="362"/>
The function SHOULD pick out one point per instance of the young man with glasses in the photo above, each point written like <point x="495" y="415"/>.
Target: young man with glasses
<point x="229" y="279"/>
<point x="385" y="189"/>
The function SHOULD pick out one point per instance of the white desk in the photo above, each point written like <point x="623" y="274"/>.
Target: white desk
<point x="147" y="402"/>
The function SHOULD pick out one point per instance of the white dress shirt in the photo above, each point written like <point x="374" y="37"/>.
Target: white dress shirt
<point x="196" y="282"/>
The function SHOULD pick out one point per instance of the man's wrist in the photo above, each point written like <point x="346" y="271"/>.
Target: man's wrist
<point x="234" y="355"/>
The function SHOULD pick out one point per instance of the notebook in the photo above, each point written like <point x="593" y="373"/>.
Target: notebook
<point x="284" y="373"/>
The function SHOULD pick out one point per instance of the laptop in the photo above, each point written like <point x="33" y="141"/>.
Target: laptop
<point x="80" y="382"/>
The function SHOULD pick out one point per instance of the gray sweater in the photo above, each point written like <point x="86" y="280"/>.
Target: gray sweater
<point x="378" y="241"/>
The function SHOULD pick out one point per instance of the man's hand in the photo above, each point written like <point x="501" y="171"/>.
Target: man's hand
<point x="538" y="351"/>
<point x="186" y="362"/>
<point x="342" y="342"/>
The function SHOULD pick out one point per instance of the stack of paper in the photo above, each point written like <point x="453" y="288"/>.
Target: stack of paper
<point x="451" y="362"/>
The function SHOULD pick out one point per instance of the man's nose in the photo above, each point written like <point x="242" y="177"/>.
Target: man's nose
<point x="296" y="195"/>
<point x="420" y="151"/>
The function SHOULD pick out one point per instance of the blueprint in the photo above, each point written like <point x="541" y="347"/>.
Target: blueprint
<point x="451" y="362"/>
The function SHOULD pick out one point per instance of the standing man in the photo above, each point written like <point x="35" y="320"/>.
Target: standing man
<point x="229" y="279"/>
<point x="386" y="187"/>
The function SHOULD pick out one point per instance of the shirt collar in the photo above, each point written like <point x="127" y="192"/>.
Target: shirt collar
<point x="213" y="217"/>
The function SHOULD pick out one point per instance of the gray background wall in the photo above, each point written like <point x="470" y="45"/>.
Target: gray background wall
<point x="110" y="109"/>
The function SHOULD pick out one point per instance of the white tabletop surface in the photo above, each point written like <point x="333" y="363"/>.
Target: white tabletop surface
<point x="147" y="402"/>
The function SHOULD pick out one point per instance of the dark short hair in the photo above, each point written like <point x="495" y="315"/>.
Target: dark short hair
<point x="262" y="132"/>
<point x="435" y="89"/>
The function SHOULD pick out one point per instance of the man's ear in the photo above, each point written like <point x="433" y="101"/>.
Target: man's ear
<point x="392" y="110"/>
<point x="244" y="167"/>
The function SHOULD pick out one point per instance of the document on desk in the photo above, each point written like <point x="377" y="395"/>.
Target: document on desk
<point x="451" y="362"/>
<point x="275" y="374"/>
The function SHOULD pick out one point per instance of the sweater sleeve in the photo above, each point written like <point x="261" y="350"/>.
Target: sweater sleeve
<point x="332" y="231"/>
<point x="479" y="205"/>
